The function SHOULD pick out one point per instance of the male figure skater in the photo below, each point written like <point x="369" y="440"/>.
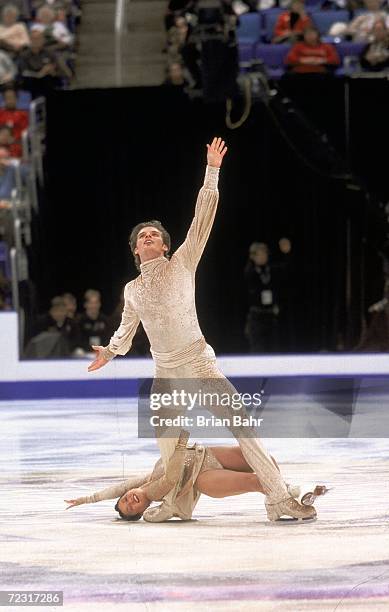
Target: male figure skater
<point x="163" y="298"/>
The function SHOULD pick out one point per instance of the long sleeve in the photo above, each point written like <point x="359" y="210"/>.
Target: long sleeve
<point x="157" y="489"/>
<point x="121" y="341"/>
<point x="193" y="246"/>
<point x="116" y="490"/>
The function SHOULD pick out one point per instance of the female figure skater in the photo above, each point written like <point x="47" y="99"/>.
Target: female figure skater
<point x="220" y="471"/>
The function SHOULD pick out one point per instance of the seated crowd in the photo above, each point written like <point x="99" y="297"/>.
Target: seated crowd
<point x="65" y="332"/>
<point x="37" y="44"/>
<point x="313" y="50"/>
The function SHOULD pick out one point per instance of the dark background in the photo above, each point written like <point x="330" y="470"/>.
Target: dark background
<point x="117" y="157"/>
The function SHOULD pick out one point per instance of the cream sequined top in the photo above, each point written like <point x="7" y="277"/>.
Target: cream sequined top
<point x="163" y="295"/>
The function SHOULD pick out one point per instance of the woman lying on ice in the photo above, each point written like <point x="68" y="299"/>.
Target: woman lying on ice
<point x="218" y="471"/>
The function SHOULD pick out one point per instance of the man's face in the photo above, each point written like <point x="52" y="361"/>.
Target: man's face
<point x="260" y="257"/>
<point x="297" y="7"/>
<point x="379" y="30"/>
<point x="134" y="501"/>
<point x="5" y="136"/>
<point x="149" y="244"/>
<point x="92" y="306"/>
<point x="285" y="245"/>
<point x="71" y="306"/>
<point x="10" y="100"/>
<point x="58" y="313"/>
<point x="311" y="37"/>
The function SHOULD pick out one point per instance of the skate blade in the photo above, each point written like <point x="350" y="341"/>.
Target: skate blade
<point x="295" y="520"/>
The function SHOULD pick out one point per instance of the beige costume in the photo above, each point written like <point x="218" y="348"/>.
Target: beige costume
<point x="181" y="474"/>
<point x="163" y="298"/>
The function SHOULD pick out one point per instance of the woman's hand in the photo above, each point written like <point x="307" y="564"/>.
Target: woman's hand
<point x="73" y="502"/>
<point x="216" y="152"/>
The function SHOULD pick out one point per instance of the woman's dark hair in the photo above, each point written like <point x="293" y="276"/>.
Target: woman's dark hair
<point x="127" y="517"/>
<point x="134" y="235"/>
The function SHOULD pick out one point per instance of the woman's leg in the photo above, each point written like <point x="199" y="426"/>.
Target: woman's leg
<point x="231" y="458"/>
<point x="224" y="483"/>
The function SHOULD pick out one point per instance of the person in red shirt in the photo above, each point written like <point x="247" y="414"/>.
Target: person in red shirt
<point x="16" y="120"/>
<point x="291" y="24"/>
<point x="311" y="55"/>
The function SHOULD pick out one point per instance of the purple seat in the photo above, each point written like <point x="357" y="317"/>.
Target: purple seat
<point x="345" y="49"/>
<point x="325" y="19"/>
<point x="246" y="52"/>
<point x="249" y="30"/>
<point x="273" y="56"/>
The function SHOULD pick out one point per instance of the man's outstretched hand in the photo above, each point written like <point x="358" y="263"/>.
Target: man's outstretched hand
<point x="216" y="152"/>
<point x="99" y="360"/>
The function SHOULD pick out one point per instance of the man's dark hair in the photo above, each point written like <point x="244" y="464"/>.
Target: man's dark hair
<point x="127" y="517"/>
<point x="134" y="235"/>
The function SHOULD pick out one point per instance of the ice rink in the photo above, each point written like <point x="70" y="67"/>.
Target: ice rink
<point x="228" y="557"/>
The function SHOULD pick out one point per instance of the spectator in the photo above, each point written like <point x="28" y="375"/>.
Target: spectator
<point x="93" y="324"/>
<point x="375" y="57"/>
<point x="177" y="37"/>
<point x="71" y="305"/>
<point x="262" y="318"/>
<point x="177" y="75"/>
<point x="23" y="7"/>
<point x="360" y="29"/>
<point x="285" y="266"/>
<point x="8" y="68"/>
<point x="56" y="33"/>
<point x="15" y="119"/>
<point x="311" y="56"/>
<point x="291" y="24"/>
<point x="56" y="334"/>
<point x="40" y="68"/>
<point x="13" y="34"/>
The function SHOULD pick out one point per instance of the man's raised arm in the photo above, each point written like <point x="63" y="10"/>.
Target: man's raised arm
<point x="121" y="340"/>
<point x="193" y="246"/>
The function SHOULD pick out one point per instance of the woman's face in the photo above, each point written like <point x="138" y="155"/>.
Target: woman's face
<point x="134" y="501"/>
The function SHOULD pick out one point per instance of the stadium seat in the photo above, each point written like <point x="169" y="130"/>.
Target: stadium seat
<point x="325" y="19"/>
<point x="246" y="52"/>
<point x="347" y="49"/>
<point x="313" y="4"/>
<point x="249" y="30"/>
<point x="273" y="57"/>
